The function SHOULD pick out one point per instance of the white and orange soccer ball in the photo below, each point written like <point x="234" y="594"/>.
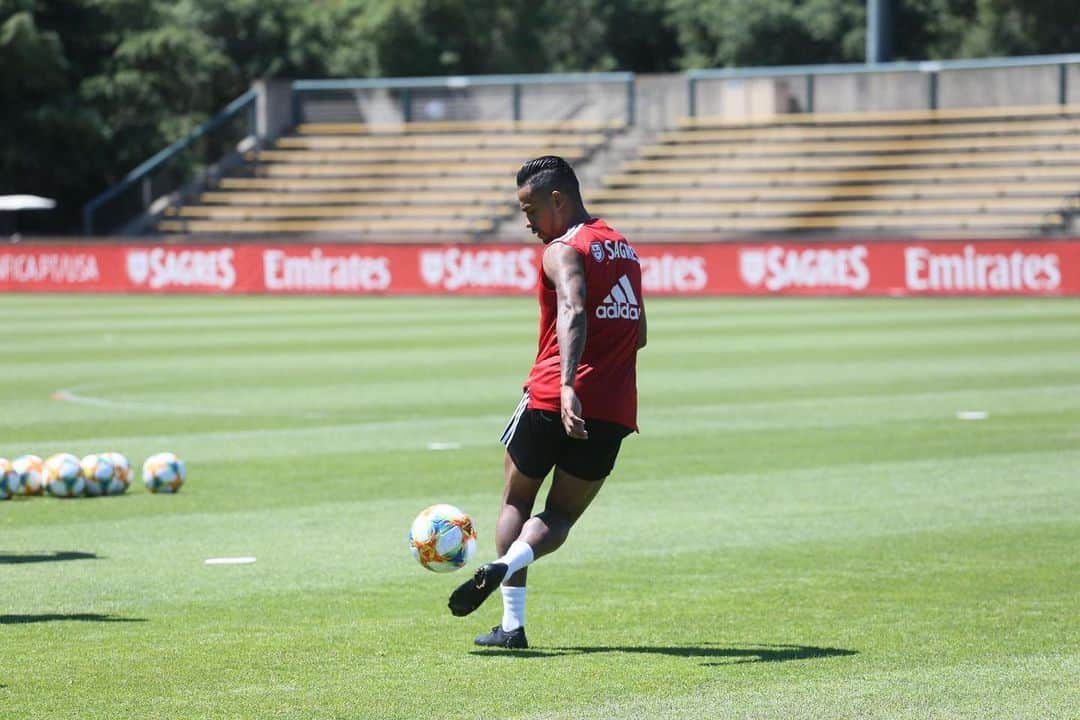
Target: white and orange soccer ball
<point x="442" y="538"/>
<point x="105" y="473"/>
<point x="121" y="477"/>
<point x="163" y="473"/>
<point x="97" y="473"/>
<point x="8" y="479"/>
<point x="29" y="468"/>
<point x="63" y="476"/>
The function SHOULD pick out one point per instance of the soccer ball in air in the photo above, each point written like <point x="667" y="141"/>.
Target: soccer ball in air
<point x="163" y="473"/>
<point x="28" y="468"/>
<point x="8" y="478"/>
<point x="104" y="475"/>
<point x="442" y="538"/>
<point x="63" y="476"/>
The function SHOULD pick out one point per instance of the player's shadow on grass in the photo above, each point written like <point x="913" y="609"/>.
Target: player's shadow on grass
<point x="55" y="617"/>
<point x="716" y="654"/>
<point x="39" y="557"/>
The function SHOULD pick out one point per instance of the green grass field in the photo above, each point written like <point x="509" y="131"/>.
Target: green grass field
<point x="803" y="528"/>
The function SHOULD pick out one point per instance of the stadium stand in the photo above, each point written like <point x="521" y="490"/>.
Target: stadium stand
<point x="383" y="181"/>
<point x="982" y="171"/>
<point x="974" y="171"/>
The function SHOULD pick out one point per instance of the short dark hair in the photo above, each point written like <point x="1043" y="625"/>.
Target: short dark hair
<point x="547" y="173"/>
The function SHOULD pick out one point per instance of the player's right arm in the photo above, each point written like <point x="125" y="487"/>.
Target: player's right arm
<point x="564" y="267"/>
<point x="643" y="332"/>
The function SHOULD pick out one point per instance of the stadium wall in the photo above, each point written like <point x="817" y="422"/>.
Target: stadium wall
<point x="1049" y="267"/>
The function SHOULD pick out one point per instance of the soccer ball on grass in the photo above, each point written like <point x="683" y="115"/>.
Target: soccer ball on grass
<point x="442" y="538"/>
<point x="121" y="478"/>
<point x="105" y="473"/>
<point x="8" y="479"/>
<point x="28" y="468"/>
<point x="63" y="476"/>
<point x="163" y="473"/>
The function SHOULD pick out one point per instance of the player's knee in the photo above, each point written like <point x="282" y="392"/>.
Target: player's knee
<point x="523" y="505"/>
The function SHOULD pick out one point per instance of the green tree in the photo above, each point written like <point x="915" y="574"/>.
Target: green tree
<point x="729" y="33"/>
<point x="945" y="29"/>
<point x="50" y="144"/>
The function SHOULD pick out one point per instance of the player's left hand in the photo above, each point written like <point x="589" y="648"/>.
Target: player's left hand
<point x="570" y="408"/>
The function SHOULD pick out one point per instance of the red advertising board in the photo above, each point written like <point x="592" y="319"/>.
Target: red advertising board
<point x="998" y="267"/>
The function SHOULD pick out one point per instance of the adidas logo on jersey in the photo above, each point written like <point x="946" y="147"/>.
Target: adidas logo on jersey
<point x="621" y="302"/>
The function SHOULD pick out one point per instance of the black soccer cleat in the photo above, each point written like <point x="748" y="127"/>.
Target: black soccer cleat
<point x="513" y="639"/>
<point x="474" y="591"/>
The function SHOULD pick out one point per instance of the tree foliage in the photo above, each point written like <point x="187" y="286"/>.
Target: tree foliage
<point x="90" y="88"/>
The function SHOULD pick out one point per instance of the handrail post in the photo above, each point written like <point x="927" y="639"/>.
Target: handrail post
<point x="295" y="108"/>
<point x="406" y="104"/>
<point x="809" y="92"/>
<point x="631" y="101"/>
<point x="516" y="101"/>
<point x="1063" y="84"/>
<point x="932" y="89"/>
<point x="691" y="96"/>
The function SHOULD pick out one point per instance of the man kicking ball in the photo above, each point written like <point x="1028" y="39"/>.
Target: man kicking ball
<point x="580" y="398"/>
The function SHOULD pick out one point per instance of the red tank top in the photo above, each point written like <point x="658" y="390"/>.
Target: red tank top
<point x="606" y="381"/>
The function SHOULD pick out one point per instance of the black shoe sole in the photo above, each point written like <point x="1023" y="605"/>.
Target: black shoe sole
<point x="473" y="592"/>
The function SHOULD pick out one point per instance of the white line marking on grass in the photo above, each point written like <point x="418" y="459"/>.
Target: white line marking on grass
<point x="70" y="395"/>
<point x="972" y="414"/>
<point x="247" y="560"/>
<point x="444" y="446"/>
<point x="66" y="395"/>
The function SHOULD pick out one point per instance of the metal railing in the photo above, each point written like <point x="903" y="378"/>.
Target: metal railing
<point x="198" y="153"/>
<point x="565" y="96"/>
<point x="929" y="69"/>
<point x="603" y="97"/>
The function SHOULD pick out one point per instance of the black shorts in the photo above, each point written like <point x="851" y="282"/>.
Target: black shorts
<point x="537" y="442"/>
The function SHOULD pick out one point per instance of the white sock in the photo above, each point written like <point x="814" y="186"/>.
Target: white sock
<point x="517" y="556"/>
<point x="513" y="607"/>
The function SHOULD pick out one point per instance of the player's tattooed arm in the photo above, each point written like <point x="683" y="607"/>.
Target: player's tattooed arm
<point x="565" y="268"/>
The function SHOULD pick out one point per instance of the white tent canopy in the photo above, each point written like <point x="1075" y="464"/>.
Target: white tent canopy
<point x="26" y="202"/>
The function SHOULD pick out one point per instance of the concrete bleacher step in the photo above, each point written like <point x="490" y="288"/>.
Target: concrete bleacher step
<point x="508" y="156"/>
<point x="407" y="227"/>
<point x="463" y="126"/>
<point x="722" y="226"/>
<point x="837" y="147"/>
<point x="800" y="133"/>
<point x="420" y="142"/>
<point x="240" y="212"/>
<point x="300" y="197"/>
<point x="720" y="209"/>
<point x="891" y="117"/>
<point x="391" y="169"/>
<point x="700" y="164"/>
<point x="734" y="177"/>
<point x="371" y="184"/>
<point x="828" y="191"/>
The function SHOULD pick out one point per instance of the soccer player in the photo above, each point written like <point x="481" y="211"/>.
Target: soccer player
<point x="580" y="398"/>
